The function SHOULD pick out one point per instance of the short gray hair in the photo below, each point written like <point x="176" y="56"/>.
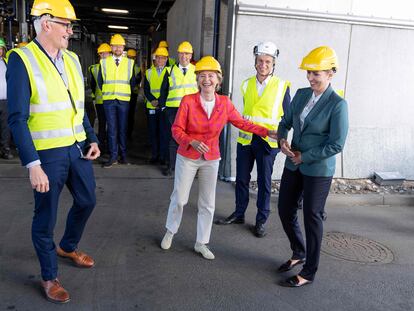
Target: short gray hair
<point x="37" y="22"/>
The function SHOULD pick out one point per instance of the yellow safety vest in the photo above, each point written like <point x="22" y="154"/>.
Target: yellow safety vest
<point x="180" y="85"/>
<point x="171" y="61"/>
<point x="155" y="82"/>
<point x="137" y="72"/>
<point x="55" y="119"/>
<point x="116" y="79"/>
<point x="94" y="69"/>
<point x="265" y="110"/>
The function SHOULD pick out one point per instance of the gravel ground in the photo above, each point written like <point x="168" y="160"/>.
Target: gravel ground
<point x="356" y="186"/>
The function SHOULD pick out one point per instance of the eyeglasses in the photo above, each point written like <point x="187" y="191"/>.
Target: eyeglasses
<point x="69" y="26"/>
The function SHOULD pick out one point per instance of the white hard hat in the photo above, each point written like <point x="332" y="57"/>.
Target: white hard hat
<point x="267" y="48"/>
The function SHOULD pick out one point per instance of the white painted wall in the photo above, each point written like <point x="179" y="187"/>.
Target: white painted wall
<point x="397" y="9"/>
<point x="375" y="70"/>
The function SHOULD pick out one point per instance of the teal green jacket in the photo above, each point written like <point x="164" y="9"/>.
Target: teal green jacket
<point x="323" y="134"/>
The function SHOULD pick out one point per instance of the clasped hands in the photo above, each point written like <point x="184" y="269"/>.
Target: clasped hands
<point x="295" y="156"/>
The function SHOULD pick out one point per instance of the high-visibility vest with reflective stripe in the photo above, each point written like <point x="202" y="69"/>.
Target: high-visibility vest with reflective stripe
<point x="265" y="110"/>
<point x="116" y="79"/>
<point x="155" y="82"/>
<point x="55" y="120"/>
<point x="180" y="85"/>
<point x="94" y="69"/>
<point x="137" y="72"/>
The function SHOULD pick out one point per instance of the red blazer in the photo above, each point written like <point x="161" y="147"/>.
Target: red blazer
<point x="192" y="123"/>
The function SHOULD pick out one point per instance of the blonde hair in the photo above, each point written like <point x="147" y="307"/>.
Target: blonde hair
<point x="219" y="78"/>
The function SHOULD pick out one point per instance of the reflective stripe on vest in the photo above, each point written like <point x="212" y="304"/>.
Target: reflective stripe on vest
<point x="116" y="79"/>
<point x="55" y="121"/>
<point x="155" y="82"/>
<point x="266" y="110"/>
<point x="98" y="91"/>
<point x="180" y="85"/>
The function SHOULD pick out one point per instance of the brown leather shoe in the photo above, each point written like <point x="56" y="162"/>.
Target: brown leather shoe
<point x="55" y="292"/>
<point x="79" y="258"/>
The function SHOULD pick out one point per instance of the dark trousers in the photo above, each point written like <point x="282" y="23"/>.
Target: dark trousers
<point x="116" y="113"/>
<point x="157" y="134"/>
<point x="169" y="115"/>
<point x="4" y="129"/>
<point x="131" y="114"/>
<point x="264" y="155"/>
<point x="100" y="111"/>
<point x="62" y="168"/>
<point x="315" y="191"/>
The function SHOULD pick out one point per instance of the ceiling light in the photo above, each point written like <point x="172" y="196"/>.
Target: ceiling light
<point x="117" y="27"/>
<point x="115" y="11"/>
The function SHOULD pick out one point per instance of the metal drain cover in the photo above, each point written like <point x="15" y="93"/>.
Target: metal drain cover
<point x="355" y="248"/>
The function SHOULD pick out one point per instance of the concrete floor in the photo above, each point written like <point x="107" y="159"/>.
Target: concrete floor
<point x="133" y="273"/>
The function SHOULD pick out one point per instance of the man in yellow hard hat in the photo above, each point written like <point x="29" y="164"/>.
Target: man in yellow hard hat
<point x="132" y="54"/>
<point x="117" y="80"/>
<point x="265" y="97"/>
<point x="5" y="152"/>
<point x="55" y="140"/>
<point x="180" y="81"/>
<point x="104" y="51"/>
<point x="152" y="90"/>
<point x="164" y="44"/>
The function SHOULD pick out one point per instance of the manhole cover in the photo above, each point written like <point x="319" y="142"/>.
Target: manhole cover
<point x="355" y="248"/>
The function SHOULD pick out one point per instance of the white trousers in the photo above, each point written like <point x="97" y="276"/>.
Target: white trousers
<point x="185" y="171"/>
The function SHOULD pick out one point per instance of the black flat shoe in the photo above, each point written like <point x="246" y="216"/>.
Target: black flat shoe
<point x="293" y="282"/>
<point x="232" y="219"/>
<point x="289" y="266"/>
<point x="259" y="230"/>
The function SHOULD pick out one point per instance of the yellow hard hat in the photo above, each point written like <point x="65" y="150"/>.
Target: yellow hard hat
<point x="104" y="47"/>
<point x="131" y="53"/>
<point x="208" y="63"/>
<point x="163" y="44"/>
<point x="321" y="58"/>
<point x="21" y="44"/>
<point x="57" y="8"/>
<point x="117" y="39"/>
<point x="185" y="47"/>
<point x="161" y="52"/>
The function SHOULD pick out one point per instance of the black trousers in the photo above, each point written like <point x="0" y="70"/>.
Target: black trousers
<point x="131" y="114"/>
<point x="100" y="111"/>
<point x="315" y="191"/>
<point x="4" y="128"/>
<point x="169" y="115"/>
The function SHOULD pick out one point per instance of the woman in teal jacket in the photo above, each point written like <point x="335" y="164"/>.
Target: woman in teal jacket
<point x="319" y="118"/>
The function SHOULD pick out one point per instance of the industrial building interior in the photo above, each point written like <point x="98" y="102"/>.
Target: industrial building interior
<point x="142" y="23"/>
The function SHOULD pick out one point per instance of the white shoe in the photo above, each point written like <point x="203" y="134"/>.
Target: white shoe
<point x="167" y="240"/>
<point x="204" y="251"/>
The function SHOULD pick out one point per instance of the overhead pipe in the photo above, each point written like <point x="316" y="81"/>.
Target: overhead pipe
<point x="156" y="10"/>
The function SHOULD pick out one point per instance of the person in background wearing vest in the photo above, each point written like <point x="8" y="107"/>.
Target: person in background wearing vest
<point x="265" y="97"/>
<point x="319" y="118"/>
<point x="156" y="124"/>
<point x="116" y="80"/>
<point x="45" y="88"/>
<point x="132" y="54"/>
<point x="197" y="127"/>
<point x="104" y="50"/>
<point x="4" y="129"/>
<point x="180" y="81"/>
<point x="164" y="44"/>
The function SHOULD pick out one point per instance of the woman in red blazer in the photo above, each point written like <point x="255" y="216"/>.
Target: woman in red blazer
<point x="197" y="127"/>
